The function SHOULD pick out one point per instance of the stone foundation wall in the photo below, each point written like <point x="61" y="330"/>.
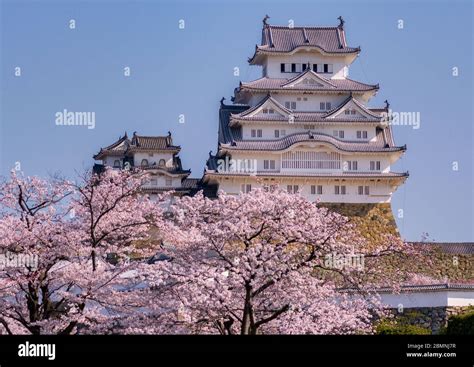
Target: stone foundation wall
<point x="373" y="221"/>
<point x="433" y="318"/>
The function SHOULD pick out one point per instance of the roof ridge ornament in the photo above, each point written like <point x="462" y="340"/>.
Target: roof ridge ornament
<point x="306" y="39"/>
<point x="265" y="20"/>
<point x="387" y="105"/>
<point x="341" y="22"/>
<point x="222" y="101"/>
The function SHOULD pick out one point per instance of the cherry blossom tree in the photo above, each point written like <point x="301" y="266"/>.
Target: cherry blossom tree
<point x="265" y="262"/>
<point x="64" y="231"/>
<point x="262" y="262"/>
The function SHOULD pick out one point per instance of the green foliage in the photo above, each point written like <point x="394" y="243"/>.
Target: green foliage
<point x="387" y="327"/>
<point x="461" y="324"/>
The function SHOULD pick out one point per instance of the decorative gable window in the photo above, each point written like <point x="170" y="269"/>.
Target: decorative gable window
<point x="290" y="105"/>
<point x="162" y="163"/>
<point x="338" y="133"/>
<point x="361" y="134"/>
<point x="144" y="162"/>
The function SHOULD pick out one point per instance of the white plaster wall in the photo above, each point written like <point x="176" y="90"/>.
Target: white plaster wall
<point x="383" y="190"/>
<point x="313" y="100"/>
<point x="268" y="130"/>
<point x="363" y="161"/>
<point x="272" y="65"/>
<point x="429" y="299"/>
<point x="168" y="157"/>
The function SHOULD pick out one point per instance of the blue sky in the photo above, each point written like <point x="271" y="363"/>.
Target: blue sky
<point x="186" y="71"/>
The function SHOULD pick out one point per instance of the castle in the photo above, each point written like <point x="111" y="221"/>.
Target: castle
<point x="305" y="125"/>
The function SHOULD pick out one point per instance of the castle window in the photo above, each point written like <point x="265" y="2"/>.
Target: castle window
<point x="338" y="133"/>
<point x="325" y="106"/>
<point x="153" y="181"/>
<point x="245" y="188"/>
<point x="293" y="68"/>
<point x="269" y="164"/>
<point x="256" y="133"/>
<point x="375" y="165"/>
<point x="282" y="68"/>
<point x="363" y="190"/>
<point x="168" y="181"/>
<point x="277" y="133"/>
<point x="352" y="165"/>
<point x="144" y="162"/>
<point x="116" y="163"/>
<point x="290" y="105"/>
<point x="361" y="134"/>
<point x="316" y="190"/>
<point x="161" y="163"/>
<point x="327" y="68"/>
<point x="340" y="190"/>
<point x="292" y="189"/>
<point x="364" y="134"/>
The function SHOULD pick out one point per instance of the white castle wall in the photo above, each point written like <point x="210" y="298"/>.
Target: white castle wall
<point x="272" y="66"/>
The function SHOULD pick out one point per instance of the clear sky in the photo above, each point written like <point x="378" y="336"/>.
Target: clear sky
<point x="186" y="71"/>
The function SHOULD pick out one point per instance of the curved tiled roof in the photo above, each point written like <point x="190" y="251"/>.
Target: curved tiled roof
<point x="381" y="145"/>
<point x="459" y="248"/>
<point x="281" y="39"/>
<point x="138" y="142"/>
<point x="266" y="84"/>
<point x="310" y="116"/>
